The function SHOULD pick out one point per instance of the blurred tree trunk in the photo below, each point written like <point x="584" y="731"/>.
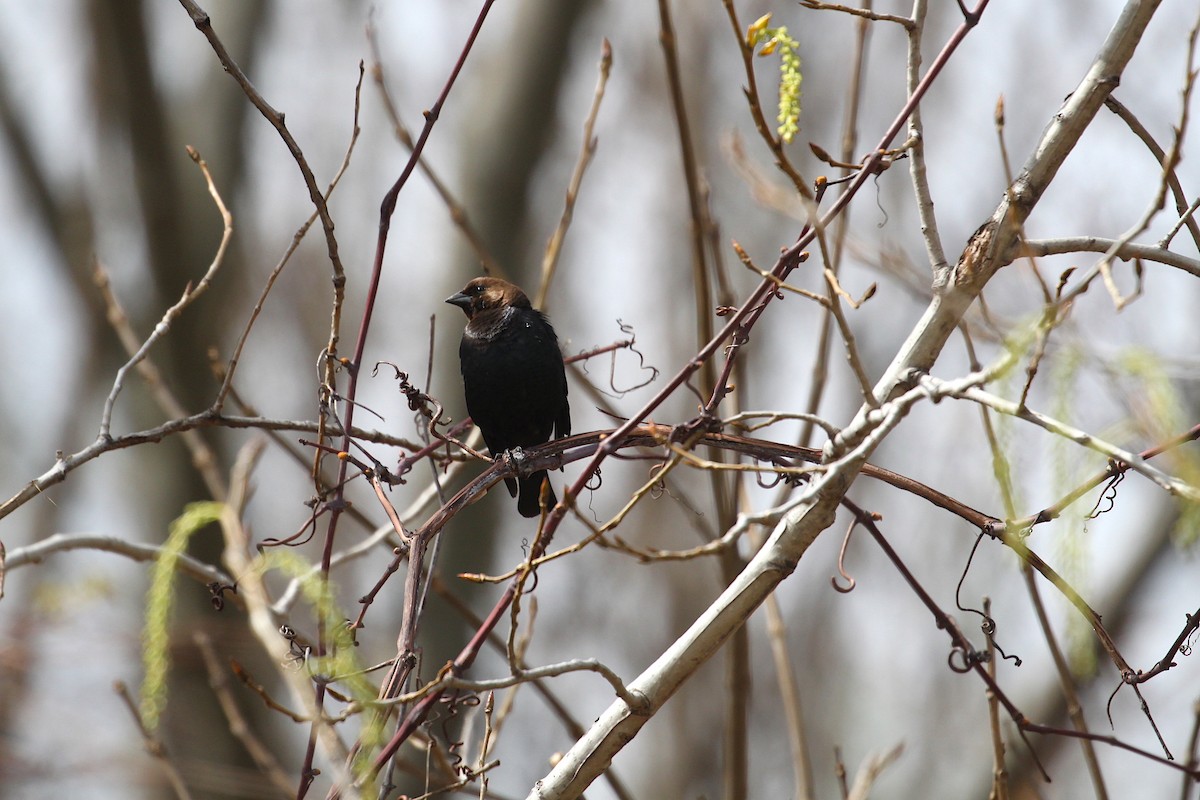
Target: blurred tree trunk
<point x="180" y="230"/>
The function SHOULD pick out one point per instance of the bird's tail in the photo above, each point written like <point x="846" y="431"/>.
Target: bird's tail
<point x="531" y="487"/>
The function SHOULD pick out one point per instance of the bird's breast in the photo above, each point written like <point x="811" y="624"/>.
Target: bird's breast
<point x="489" y="325"/>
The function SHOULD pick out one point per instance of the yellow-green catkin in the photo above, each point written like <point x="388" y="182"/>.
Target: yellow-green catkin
<point x="778" y="39"/>
<point x="160" y="599"/>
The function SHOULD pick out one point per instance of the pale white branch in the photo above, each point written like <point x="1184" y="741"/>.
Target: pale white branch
<point x="137" y="551"/>
<point x="1170" y="484"/>
<point x="190" y="294"/>
<point x="1126" y="250"/>
<point x="870" y="771"/>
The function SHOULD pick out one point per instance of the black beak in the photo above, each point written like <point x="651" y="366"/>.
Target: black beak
<point x="461" y="300"/>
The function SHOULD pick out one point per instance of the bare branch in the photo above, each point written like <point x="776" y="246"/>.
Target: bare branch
<point x="1173" y="486"/>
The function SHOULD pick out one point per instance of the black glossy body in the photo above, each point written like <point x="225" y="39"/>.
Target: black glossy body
<point x="513" y="377"/>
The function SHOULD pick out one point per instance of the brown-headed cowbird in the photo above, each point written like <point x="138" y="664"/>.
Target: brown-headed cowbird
<point x="513" y="377"/>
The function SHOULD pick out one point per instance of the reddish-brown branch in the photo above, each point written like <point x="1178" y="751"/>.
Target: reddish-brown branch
<point x="976" y="664"/>
<point x="387" y="208"/>
<point x="1168" y="661"/>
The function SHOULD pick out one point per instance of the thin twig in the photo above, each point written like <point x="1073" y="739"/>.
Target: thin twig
<point x="586" y="153"/>
<point x="789" y="692"/>
<point x="850" y="142"/>
<point x="285" y="259"/>
<point x="1181" y="202"/>
<point x="1113" y="469"/>
<point x="239" y="726"/>
<point x="934" y="250"/>
<point x="190" y="294"/>
<point x="387" y="208"/>
<point x="458" y="213"/>
<point x="154" y="745"/>
<point x="773" y="142"/>
<point x="870" y="770"/>
<point x="66" y="464"/>
<point x="1173" y="486"/>
<point x="203" y="456"/>
<point x="999" y="770"/>
<point x="136" y="551"/>
<point x="1118" y="249"/>
<point x="203" y="23"/>
<point x="864" y="13"/>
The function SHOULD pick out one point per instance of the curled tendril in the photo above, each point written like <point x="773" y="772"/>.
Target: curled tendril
<point x="841" y="564"/>
<point x="969" y="659"/>
<point x="453" y="702"/>
<point x="626" y="330"/>
<point x="1111" y="697"/>
<point x="966" y="567"/>
<point x="533" y="583"/>
<point x="760" y="479"/>
<point x="297" y="653"/>
<point x="217" y="591"/>
<point x="595" y="481"/>
<point x="778" y="477"/>
<point x="987" y="623"/>
<point x="1016" y="659"/>
<point x="1107" y="498"/>
<point x="1185" y="647"/>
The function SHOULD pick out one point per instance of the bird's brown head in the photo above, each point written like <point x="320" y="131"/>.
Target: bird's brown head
<point x="483" y="294"/>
